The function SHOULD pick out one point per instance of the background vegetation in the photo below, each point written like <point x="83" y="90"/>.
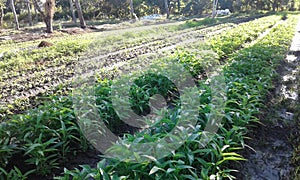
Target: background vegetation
<point x="29" y="12"/>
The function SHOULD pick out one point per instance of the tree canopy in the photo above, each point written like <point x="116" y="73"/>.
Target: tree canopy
<point x="127" y="9"/>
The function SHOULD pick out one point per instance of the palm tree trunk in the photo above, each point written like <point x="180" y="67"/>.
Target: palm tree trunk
<point x="15" y="14"/>
<point x="72" y="11"/>
<point x="80" y="15"/>
<point x="29" y="13"/>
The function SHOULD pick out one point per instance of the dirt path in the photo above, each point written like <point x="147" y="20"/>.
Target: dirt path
<point x="271" y="156"/>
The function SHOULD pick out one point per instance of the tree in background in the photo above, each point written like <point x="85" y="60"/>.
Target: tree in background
<point x="29" y="12"/>
<point x="167" y="8"/>
<point x="47" y="14"/>
<point x="178" y="6"/>
<point x="196" y="7"/>
<point x="214" y="8"/>
<point x="274" y="4"/>
<point x="292" y="5"/>
<point x="1" y="13"/>
<point x="13" y="9"/>
<point x="227" y="4"/>
<point x="133" y="15"/>
<point x="36" y="14"/>
<point x="127" y="9"/>
<point x="72" y="11"/>
<point x="80" y="15"/>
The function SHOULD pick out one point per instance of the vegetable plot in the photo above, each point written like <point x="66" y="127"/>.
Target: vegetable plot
<point x="249" y="77"/>
<point x="50" y="70"/>
<point x="46" y="135"/>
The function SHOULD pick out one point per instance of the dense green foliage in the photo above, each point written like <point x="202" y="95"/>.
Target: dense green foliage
<point x="46" y="135"/>
<point x="51" y="68"/>
<point x="249" y="75"/>
<point x="111" y="9"/>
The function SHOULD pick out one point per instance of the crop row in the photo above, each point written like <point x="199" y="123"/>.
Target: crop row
<point x="30" y="61"/>
<point x="107" y="42"/>
<point x="47" y="134"/>
<point x="248" y="78"/>
<point x="16" y="58"/>
<point x="44" y="79"/>
<point x="34" y="59"/>
<point x="47" y="78"/>
<point x="140" y="37"/>
<point x="224" y="43"/>
<point x="19" y="93"/>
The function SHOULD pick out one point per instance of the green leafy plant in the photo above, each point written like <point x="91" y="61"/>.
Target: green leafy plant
<point x="249" y="75"/>
<point x="50" y="132"/>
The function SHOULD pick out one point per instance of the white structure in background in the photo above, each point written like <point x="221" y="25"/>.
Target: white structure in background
<point x="152" y="17"/>
<point x="223" y="12"/>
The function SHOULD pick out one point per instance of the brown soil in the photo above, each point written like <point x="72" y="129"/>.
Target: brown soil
<point x="38" y="33"/>
<point x="45" y="44"/>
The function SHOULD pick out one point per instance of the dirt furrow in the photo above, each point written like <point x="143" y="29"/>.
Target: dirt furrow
<point x="180" y="33"/>
<point x="111" y="53"/>
<point x="19" y="84"/>
<point x="51" y="87"/>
